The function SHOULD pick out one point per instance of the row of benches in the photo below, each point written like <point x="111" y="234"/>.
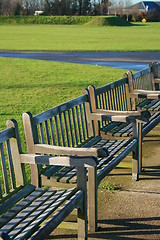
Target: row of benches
<point x="83" y="139"/>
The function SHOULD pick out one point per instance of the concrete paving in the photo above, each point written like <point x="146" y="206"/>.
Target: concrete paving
<point x="132" y="209"/>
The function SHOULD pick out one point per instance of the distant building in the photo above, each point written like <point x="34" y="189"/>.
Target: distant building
<point x="37" y="13"/>
<point x="146" y="6"/>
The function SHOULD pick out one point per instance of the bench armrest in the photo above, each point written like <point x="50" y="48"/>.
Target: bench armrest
<point x="70" y="151"/>
<point x="120" y="116"/>
<point x="145" y="94"/>
<point x="68" y="161"/>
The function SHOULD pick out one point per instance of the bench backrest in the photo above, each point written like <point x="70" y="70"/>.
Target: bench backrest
<point x="64" y="125"/>
<point x="143" y="79"/>
<point x="112" y="96"/>
<point x="11" y="174"/>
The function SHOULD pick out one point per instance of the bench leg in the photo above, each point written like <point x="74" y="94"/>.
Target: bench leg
<point x="92" y="199"/>
<point x="137" y="154"/>
<point x="35" y="175"/>
<point x="82" y="211"/>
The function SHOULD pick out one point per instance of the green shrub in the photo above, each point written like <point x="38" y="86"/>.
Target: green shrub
<point x="65" y="20"/>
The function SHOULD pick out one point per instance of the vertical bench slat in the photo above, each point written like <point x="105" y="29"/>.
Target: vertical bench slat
<point x="117" y="98"/>
<point x="82" y="121"/>
<point x="124" y="97"/>
<point x="13" y="181"/>
<point x="85" y="119"/>
<point x="42" y="133"/>
<point x="1" y="193"/>
<point x="74" y="126"/>
<point x="78" y="124"/>
<point x="70" y="127"/>
<point x="52" y="131"/>
<point x="62" y="130"/>
<point x="47" y="132"/>
<point x="57" y="131"/>
<point x="4" y="169"/>
<point x="66" y="129"/>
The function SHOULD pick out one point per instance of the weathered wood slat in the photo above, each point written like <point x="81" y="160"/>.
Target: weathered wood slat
<point x="44" y="116"/>
<point x="70" y="177"/>
<point x="62" y="130"/>
<point x="51" y="171"/>
<point x="6" y="135"/>
<point x="19" y="221"/>
<point x="5" y="218"/>
<point x="47" y="132"/>
<point x="4" y="169"/>
<point x="66" y="130"/>
<point x="42" y="133"/>
<point x="110" y="126"/>
<point x="57" y="131"/>
<point x="31" y="219"/>
<point x="41" y="214"/>
<point x="52" y="223"/>
<point x="16" y="197"/>
<point x="116" y="160"/>
<point x="11" y="167"/>
<point x="82" y="122"/>
<point x="61" y="173"/>
<point x="118" y="128"/>
<point x="52" y="131"/>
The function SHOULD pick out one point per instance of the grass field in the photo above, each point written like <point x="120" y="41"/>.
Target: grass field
<point x="35" y="86"/>
<point x="139" y="37"/>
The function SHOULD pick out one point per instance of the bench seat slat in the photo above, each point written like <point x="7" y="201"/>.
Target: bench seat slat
<point x="19" y="207"/>
<point x="69" y="176"/>
<point x="61" y="173"/>
<point x="16" y="197"/>
<point x="154" y="107"/>
<point x="51" y="171"/>
<point x="49" y="198"/>
<point x="27" y="211"/>
<point x="152" y="104"/>
<point x="145" y="103"/>
<point x="91" y="142"/>
<point x="117" y="128"/>
<point x="56" y="219"/>
<point x="116" y="160"/>
<point x="34" y="220"/>
<point x="110" y="126"/>
<point x="118" y="146"/>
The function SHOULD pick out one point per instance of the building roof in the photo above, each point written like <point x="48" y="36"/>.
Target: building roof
<point x="150" y="5"/>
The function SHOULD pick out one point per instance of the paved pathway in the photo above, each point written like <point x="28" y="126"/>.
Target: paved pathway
<point x="125" y="60"/>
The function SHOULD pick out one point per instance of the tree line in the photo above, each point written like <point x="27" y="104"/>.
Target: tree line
<point x="54" y="7"/>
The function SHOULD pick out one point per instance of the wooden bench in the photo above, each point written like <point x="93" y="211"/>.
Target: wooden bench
<point x="68" y="129"/>
<point x="144" y="88"/>
<point x="117" y="97"/>
<point x="27" y="212"/>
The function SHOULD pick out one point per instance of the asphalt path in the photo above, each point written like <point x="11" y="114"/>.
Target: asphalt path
<point x="124" y="60"/>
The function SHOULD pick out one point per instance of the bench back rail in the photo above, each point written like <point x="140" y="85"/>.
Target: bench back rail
<point x="66" y="125"/>
<point x="143" y="87"/>
<point x="113" y="96"/>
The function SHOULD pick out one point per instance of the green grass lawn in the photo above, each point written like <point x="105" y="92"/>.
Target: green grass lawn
<point x="35" y="86"/>
<point x="139" y="37"/>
